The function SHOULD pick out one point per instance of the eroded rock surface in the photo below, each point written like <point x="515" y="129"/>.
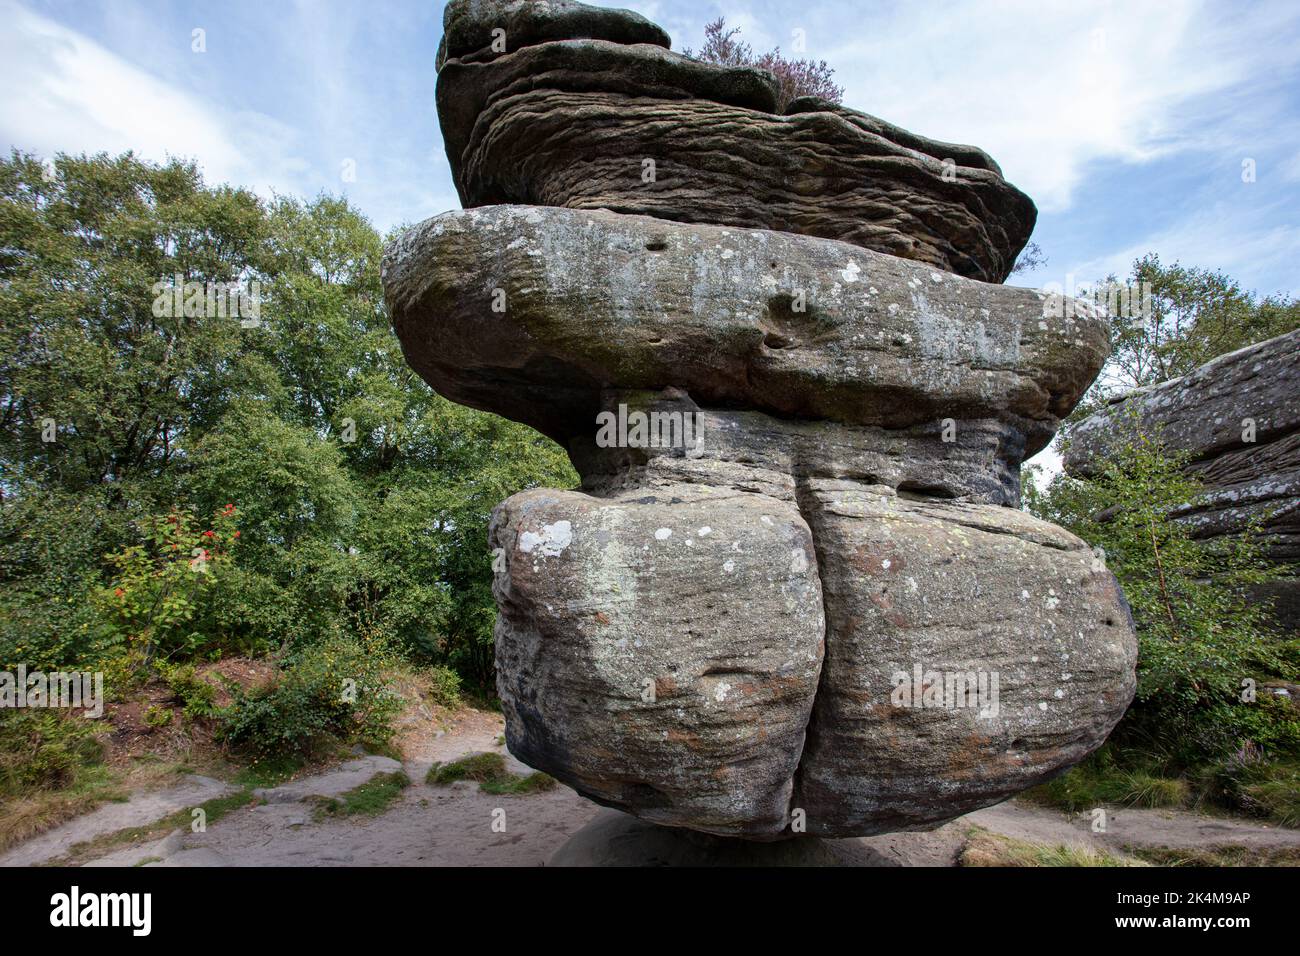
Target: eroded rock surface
<point x="983" y="597"/>
<point x="1238" y="419"/>
<point x="579" y="103"/>
<point x="794" y="593"/>
<point x="659" y="652"/>
<point x="531" y="311"/>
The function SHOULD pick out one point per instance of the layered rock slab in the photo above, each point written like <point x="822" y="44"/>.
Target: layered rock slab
<point x="471" y="27"/>
<point x="531" y="312"/>
<point x="1208" y="415"/>
<point x="571" y="121"/>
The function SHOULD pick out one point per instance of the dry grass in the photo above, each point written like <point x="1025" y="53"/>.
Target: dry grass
<point x="984" y="848"/>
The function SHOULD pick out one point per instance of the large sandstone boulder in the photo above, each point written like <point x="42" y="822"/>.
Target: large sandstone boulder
<point x="1237" y="418"/>
<point x="660" y="652"/>
<point x="1012" y="642"/>
<point x="572" y="116"/>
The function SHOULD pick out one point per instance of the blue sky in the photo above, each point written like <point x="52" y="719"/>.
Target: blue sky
<point x="1128" y="123"/>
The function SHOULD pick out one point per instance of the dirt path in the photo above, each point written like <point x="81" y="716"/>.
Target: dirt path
<point x="460" y="825"/>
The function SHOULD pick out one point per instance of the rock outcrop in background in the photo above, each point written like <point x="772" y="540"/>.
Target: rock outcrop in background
<point x="1237" y="418"/>
<point x="795" y="592"/>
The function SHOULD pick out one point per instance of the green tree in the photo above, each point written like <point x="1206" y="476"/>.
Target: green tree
<point x="361" y="497"/>
<point x="1170" y="319"/>
<point x="1199" y="633"/>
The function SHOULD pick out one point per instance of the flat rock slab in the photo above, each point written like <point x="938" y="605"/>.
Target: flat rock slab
<point x="141" y="809"/>
<point x="1204" y="412"/>
<point x="530" y="312"/>
<point x="1237" y="419"/>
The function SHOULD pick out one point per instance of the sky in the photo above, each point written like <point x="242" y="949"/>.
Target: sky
<point x="1170" y="127"/>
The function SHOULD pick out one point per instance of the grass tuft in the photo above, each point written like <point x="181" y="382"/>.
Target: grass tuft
<point x="1218" y="855"/>
<point x="489" y="771"/>
<point x="370" y="799"/>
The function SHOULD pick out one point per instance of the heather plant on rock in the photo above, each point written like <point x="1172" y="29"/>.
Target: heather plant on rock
<point x="794" y="78"/>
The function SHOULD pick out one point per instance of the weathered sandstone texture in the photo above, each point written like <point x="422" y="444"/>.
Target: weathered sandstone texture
<point x="593" y="299"/>
<point x="1208" y="414"/>
<point x="794" y="593"/>
<point x="720" y="152"/>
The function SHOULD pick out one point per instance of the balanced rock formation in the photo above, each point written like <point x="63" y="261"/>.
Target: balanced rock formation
<point x="794" y="593"/>
<point x="1237" y="418"/>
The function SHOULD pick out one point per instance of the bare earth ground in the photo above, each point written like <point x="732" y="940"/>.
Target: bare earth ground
<point x="453" y="825"/>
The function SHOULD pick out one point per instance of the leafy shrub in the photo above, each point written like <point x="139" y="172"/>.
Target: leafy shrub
<point x="50" y="543"/>
<point x="444" y="686"/>
<point x="197" y="697"/>
<point x="490" y="772"/>
<point x="334" y="690"/>
<point x="1193" y="732"/>
<point x="160" y="596"/>
<point x="157" y="717"/>
<point x="1200" y="637"/>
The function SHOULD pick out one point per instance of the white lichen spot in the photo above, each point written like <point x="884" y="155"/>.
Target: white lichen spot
<point x="1042" y="705"/>
<point x="798" y="561"/>
<point x="720" y="692"/>
<point x="552" y="540"/>
<point x="705" y="531"/>
<point x="729" y="566"/>
<point x="663" y="534"/>
<point x="851" y="271"/>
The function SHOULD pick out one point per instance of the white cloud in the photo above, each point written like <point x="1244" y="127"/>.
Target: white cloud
<point x="1219" y="237"/>
<point x="1047" y="88"/>
<point x="70" y="94"/>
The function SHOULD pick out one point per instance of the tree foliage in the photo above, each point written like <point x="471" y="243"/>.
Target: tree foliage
<point x="1202" y="638"/>
<point x="1176" y="318"/>
<point x="360" y="496"/>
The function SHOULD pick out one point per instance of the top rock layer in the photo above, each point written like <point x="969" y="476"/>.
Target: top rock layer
<point x="588" y="109"/>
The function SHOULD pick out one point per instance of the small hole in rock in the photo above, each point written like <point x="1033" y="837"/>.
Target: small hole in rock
<point x="656" y="245"/>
